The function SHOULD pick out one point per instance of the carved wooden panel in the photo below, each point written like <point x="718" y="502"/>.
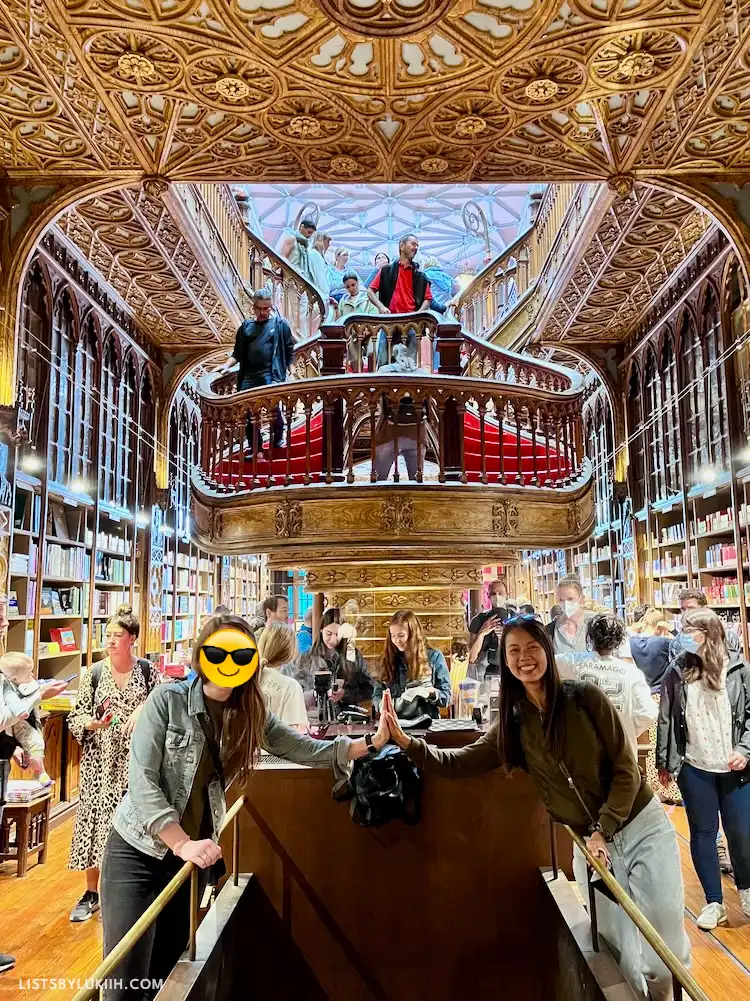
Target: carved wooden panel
<point x="373" y="89"/>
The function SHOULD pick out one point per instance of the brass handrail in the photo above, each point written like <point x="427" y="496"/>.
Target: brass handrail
<point x="188" y="871"/>
<point x="681" y="976"/>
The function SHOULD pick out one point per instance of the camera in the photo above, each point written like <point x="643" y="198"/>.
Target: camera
<point x="323" y="684"/>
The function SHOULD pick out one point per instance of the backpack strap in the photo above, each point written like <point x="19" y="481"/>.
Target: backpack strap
<point x="96" y="673"/>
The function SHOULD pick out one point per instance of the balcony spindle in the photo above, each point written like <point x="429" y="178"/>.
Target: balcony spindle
<point x="420" y="444"/>
<point x="350" y="436"/>
<point x="255" y="443"/>
<point x="548" y="448"/>
<point x="519" y="471"/>
<point x="289" y="411"/>
<point x="441" y="442"/>
<point x="534" y="427"/>
<point x="394" y="410"/>
<point x="241" y="459"/>
<point x="558" y="474"/>
<point x="566" y="449"/>
<point x="482" y="444"/>
<point x="500" y="407"/>
<point x="373" y="420"/>
<point x="308" y="418"/>
<point x="269" y="415"/>
<point x="328" y="428"/>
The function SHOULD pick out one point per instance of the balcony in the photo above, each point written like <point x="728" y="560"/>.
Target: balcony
<point x="494" y="440"/>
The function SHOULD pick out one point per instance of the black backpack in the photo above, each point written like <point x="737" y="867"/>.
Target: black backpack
<point x="384" y="786"/>
<point x="96" y="673"/>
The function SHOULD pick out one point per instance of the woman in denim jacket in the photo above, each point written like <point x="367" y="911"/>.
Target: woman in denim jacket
<point x="192" y="740"/>
<point x="408" y="663"/>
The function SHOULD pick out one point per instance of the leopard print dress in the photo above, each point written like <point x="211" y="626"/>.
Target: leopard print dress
<point x="104" y="759"/>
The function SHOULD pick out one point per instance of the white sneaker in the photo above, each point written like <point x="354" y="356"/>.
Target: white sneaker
<point x="711" y="916"/>
<point x="745" y="902"/>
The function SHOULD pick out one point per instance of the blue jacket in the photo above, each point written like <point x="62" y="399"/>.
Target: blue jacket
<point x="304" y="639"/>
<point x="166" y="749"/>
<point x="441" y="681"/>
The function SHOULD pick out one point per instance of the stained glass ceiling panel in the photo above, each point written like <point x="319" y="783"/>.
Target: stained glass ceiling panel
<point x="367" y="218"/>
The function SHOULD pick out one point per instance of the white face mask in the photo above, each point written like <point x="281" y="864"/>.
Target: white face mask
<point x="570" y="608"/>
<point x="498" y="601"/>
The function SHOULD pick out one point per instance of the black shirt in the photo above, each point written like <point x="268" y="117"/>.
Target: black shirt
<point x="490" y="652"/>
<point x="255" y="345"/>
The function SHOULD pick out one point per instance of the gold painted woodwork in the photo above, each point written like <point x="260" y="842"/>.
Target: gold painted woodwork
<point x="329" y="90"/>
<point x="431" y="521"/>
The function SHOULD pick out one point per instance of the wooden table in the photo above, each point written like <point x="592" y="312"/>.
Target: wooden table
<point x="31" y="824"/>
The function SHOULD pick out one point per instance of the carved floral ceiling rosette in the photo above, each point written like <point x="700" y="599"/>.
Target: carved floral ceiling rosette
<point x="636" y="59"/>
<point x="542" y="83"/>
<point x="473" y="118"/>
<point x="347" y="161"/>
<point x="241" y="86"/>
<point x="133" y="61"/>
<point x="305" y="119"/>
<point x="428" y="160"/>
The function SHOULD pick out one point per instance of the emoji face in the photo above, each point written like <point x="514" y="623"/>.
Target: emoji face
<point x="229" y="657"/>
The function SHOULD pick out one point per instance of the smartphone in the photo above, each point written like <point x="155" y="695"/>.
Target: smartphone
<point x="68" y="680"/>
<point x="103" y="709"/>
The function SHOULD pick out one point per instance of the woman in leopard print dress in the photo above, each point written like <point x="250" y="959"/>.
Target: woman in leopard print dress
<point x="126" y="681"/>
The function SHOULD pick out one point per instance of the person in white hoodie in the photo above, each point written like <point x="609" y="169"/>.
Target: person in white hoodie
<point x="620" y="680"/>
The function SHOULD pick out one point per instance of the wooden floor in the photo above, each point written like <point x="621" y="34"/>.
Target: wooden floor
<point x="34" y="927"/>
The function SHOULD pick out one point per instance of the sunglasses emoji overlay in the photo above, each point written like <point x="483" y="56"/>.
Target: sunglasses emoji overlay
<point x="229" y="657"/>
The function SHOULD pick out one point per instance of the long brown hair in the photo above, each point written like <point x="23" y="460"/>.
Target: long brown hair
<point x="245" y="716"/>
<point x="417" y="664"/>
<point x="709" y="664"/>
<point x="512" y="693"/>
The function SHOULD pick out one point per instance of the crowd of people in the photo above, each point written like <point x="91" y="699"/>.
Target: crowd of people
<point x="576" y="697"/>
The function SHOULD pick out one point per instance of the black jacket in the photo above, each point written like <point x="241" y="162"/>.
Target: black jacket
<point x="358" y="684"/>
<point x="264" y="351"/>
<point x="389" y="277"/>
<point x="671" y="735"/>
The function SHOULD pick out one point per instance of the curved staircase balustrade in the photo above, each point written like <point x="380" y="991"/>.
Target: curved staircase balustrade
<point x="471" y="431"/>
<point x="527" y="266"/>
<point x="248" y="262"/>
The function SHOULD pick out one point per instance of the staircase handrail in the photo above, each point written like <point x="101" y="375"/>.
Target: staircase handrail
<point x="528" y="264"/>
<point x="256" y="263"/>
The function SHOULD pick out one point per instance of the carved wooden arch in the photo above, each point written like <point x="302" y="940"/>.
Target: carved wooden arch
<point x="111" y="342"/>
<point x="666" y="338"/>
<point x="39" y="267"/>
<point x="66" y="296"/>
<point x="90" y="321"/>
<point x="686" y="319"/>
<point x="731" y="271"/>
<point x="132" y="359"/>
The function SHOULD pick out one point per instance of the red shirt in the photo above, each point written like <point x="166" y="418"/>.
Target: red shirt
<point x="402" y="300"/>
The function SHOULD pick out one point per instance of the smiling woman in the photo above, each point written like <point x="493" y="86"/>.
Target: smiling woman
<point x="193" y="739"/>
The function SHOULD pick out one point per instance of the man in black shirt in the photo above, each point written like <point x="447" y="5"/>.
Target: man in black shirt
<point x="486" y="628"/>
<point x="264" y="349"/>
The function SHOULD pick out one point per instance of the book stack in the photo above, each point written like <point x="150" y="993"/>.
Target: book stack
<point x="63" y="561"/>
<point x="23" y="791"/>
<point x="61" y="703"/>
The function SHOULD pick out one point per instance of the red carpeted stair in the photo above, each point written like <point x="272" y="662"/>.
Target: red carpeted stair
<point x="228" y="472"/>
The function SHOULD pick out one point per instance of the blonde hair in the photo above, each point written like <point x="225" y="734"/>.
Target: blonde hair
<point x="655" y="620"/>
<point x="125" y="619"/>
<point x="319" y="240"/>
<point x="338" y="251"/>
<point x="277" y="645"/>
<point x="14" y="663"/>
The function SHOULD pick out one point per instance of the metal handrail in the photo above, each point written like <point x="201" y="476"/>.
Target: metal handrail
<point x="681" y="976"/>
<point x="188" y="871"/>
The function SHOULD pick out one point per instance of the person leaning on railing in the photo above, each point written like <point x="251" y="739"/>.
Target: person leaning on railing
<point x="568" y="737"/>
<point x="192" y="740"/>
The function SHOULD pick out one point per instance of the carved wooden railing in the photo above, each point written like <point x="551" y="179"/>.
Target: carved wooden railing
<point x="247" y="262"/>
<point x="530" y="262"/>
<point x="471" y="431"/>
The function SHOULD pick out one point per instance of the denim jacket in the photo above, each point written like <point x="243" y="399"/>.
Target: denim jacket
<point x="165" y="751"/>
<point x="440" y="681"/>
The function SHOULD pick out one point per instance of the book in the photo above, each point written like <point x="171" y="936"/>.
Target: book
<point x="64" y="637"/>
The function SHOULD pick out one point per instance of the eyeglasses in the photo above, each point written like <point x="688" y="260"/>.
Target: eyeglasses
<point x="243" y="657"/>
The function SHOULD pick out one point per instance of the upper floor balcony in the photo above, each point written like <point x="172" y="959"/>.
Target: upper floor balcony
<point x="466" y="447"/>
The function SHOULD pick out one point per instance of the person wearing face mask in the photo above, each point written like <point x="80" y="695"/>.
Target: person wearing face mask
<point x="408" y="662"/>
<point x="485" y="630"/>
<point x="568" y="630"/>
<point x="689" y="598"/>
<point x="703" y="740"/>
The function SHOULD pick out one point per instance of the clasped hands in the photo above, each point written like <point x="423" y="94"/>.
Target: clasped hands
<point x="389" y="727"/>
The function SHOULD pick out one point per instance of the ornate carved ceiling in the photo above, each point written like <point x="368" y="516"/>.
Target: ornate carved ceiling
<point x="359" y="90"/>
<point x="642" y="240"/>
<point x="137" y="248"/>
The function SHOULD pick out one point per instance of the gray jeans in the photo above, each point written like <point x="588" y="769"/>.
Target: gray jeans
<point x="646" y="864"/>
<point x="384" y="455"/>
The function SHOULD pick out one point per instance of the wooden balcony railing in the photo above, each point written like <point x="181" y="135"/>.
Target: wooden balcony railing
<point x="247" y="262"/>
<point x="335" y="429"/>
<point x="530" y="262"/>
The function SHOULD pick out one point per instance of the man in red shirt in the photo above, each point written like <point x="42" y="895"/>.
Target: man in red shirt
<point x="401" y="287"/>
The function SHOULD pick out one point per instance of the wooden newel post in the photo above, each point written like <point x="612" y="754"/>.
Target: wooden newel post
<point x="449" y="342"/>
<point x="333" y="349"/>
<point x="452" y="439"/>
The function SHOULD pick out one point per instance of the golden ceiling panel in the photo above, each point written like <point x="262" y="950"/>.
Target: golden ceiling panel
<point x="132" y="240"/>
<point x="639" y="243"/>
<point x="429" y="89"/>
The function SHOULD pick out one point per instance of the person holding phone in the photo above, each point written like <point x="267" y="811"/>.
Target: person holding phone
<point x="110" y="699"/>
<point x="569" y="738"/>
<point x="486" y="629"/>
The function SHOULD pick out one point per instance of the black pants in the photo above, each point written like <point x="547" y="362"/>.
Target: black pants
<point x="130" y="882"/>
<point x="253" y="382"/>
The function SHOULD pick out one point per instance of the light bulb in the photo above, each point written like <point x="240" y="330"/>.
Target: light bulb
<point x="32" y="463"/>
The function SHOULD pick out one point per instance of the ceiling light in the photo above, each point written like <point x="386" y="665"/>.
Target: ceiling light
<point x="78" y="485"/>
<point x="142" y="520"/>
<point x="707" y="476"/>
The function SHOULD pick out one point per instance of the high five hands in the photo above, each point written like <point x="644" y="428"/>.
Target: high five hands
<point x="388" y="714"/>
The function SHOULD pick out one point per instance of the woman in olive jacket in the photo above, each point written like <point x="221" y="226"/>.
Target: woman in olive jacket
<point x="568" y="736"/>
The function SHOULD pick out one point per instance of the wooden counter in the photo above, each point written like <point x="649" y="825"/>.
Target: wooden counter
<point x="449" y="909"/>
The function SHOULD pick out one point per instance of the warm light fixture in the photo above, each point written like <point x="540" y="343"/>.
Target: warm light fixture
<point x="707" y="476"/>
<point x="32" y="462"/>
<point x="78" y="485"/>
<point x="142" y="520"/>
<point x="166" y="530"/>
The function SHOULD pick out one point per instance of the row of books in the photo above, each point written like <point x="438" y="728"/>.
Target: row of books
<point x="185" y="604"/>
<point x="66" y="561"/>
<point x="110" y="541"/>
<point x="61" y="601"/>
<point x="113" y="570"/>
<point x="98" y="630"/>
<point x="185" y="580"/>
<point x="14" y="606"/>
<point x="24" y="564"/>
<point x="183" y="629"/>
<point x="720" y="555"/>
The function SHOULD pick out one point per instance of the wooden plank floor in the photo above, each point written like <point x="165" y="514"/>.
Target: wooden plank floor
<point x="34" y="926"/>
